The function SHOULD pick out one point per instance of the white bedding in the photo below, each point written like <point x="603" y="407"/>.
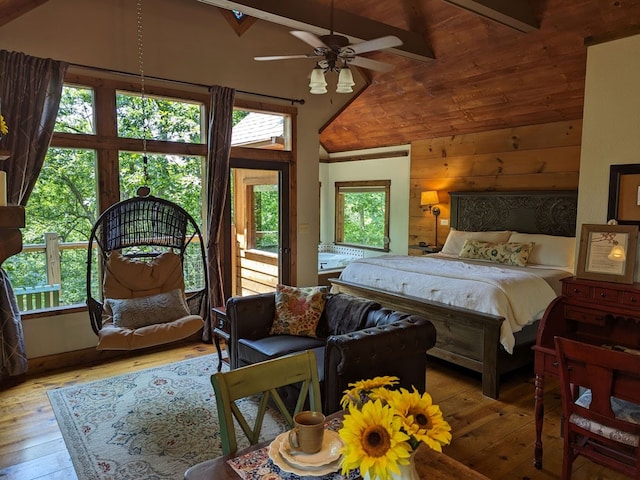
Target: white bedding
<point x="519" y="294"/>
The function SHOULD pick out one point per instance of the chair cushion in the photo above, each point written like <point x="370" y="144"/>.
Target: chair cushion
<point x="142" y="311"/>
<point x="129" y="278"/>
<point x="298" y="310"/>
<point x="622" y="409"/>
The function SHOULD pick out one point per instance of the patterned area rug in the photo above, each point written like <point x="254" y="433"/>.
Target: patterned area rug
<point x="147" y="425"/>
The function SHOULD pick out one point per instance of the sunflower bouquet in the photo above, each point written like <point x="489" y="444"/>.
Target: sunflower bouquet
<point x="383" y="426"/>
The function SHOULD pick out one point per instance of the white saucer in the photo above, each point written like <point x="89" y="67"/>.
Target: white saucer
<point x="274" y="455"/>
<point x="329" y="453"/>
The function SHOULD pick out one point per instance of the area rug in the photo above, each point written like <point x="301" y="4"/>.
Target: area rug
<point x="147" y="425"/>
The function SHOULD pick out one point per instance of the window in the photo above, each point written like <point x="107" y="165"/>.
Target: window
<point x="266" y="130"/>
<point x="362" y="214"/>
<point x="96" y="159"/>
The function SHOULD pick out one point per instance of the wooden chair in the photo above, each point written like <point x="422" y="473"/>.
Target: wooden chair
<point x="262" y="379"/>
<point x="603" y="424"/>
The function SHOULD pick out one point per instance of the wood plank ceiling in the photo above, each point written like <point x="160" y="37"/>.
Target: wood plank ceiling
<point x="485" y="75"/>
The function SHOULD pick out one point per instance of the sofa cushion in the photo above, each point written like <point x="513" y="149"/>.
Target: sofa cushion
<point x="253" y="351"/>
<point x="298" y="310"/>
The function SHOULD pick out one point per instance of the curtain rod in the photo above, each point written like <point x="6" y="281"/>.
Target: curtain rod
<point x="293" y="101"/>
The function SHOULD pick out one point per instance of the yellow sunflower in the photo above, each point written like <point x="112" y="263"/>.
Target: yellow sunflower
<point x="4" y="129"/>
<point x="373" y="441"/>
<point x="421" y="419"/>
<point x="364" y="390"/>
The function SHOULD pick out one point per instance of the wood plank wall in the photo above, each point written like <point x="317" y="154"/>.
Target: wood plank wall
<point x="536" y="157"/>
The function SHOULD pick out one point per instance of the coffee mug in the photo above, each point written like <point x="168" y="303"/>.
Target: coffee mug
<point x="308" y="432"/>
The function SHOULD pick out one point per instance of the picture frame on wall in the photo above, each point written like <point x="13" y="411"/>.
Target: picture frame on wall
<point x="607" y="253"/>
<point x="624" y="194"/>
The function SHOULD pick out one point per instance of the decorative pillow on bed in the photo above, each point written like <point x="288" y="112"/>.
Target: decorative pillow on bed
<point x="142" y="311"/>
<point x="507" y="253"/>
<point x="298" y="310"/>
<point x="456" y="238"/>
<point x="549" y="249"/>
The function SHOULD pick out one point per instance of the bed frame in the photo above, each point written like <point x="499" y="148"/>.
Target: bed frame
<point x="468" y="338"/>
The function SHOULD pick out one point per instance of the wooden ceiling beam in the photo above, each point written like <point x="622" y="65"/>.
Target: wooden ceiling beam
<point x="12" y="9"/>
<point x="516" y="14"/>
<point x="316" y="18"/>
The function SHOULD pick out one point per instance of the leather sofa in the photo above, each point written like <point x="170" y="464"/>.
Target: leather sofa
<point x="347" y="348"/>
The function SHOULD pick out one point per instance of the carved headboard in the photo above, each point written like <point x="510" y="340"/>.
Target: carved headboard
<point x="549" y="212"/>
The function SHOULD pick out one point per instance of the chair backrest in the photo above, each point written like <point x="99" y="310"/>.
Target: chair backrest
<point x="602" y="429"/>
<point x="263" y="379"/>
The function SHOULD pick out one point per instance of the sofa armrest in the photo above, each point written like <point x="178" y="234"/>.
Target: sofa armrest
<point x="249" y="317"/>
<point x="398" y="349"/>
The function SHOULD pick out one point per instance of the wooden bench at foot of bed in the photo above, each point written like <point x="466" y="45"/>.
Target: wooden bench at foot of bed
<point x="465" y="337"/>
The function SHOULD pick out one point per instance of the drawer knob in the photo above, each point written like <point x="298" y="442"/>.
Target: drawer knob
<point x="603" y="295"/>
<point x="576" y="290"/>
<point x="634" y="299"/>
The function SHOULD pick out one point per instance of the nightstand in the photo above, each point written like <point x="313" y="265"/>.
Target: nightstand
<point x="220" y="330"/>
<point x="426" y="248"/>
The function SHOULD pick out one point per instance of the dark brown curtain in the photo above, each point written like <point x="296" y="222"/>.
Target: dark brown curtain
<point x="30" y="90"/>
<point x="220" y="125"/>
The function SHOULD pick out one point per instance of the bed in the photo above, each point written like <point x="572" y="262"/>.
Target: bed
<point x="478" y="338"/>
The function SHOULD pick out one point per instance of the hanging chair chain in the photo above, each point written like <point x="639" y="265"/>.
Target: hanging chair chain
<point x="145" y="126"/>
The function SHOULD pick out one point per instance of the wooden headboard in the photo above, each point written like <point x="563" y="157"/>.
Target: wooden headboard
<point x="549" y="212"/>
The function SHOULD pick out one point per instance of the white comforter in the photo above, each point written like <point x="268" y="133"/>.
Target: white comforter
<point x="519" y="295"/>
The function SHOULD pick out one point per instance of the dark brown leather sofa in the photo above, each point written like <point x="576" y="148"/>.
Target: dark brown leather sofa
<point x="357" y="339"/>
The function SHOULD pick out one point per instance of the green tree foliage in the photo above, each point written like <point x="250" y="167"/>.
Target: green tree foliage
<point x="364" y="218"/>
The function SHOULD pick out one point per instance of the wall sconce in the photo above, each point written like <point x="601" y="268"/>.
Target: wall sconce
<point x="427" y="201"/>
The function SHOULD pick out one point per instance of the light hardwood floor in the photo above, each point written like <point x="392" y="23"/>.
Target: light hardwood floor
<point x="492" y="437"/>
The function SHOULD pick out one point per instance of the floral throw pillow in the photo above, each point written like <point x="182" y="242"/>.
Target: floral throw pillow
<point x="298" y="310"/>
<point x="508" y="253"/>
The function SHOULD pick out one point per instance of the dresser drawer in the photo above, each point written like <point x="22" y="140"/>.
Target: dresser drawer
<point x="631" y="299"/>
<point x="585" y="315"/>
<point x="574" y="290"/>
<point x="607" y="295"/>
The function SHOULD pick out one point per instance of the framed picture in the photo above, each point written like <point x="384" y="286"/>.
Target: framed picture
<point x="607" y="253"/>
<point x="624" y="194"/>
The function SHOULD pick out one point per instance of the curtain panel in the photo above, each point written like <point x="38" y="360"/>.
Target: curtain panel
<point x="219" y="142"/>
<point x="30" y="91"/>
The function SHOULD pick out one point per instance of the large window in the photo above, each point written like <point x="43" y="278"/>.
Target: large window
<point x="362" y="214"/>
<point x="97" y="157"/>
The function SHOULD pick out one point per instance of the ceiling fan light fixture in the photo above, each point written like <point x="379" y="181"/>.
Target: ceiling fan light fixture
<point x="345" y="81"/>
<point x="318" y="84"/>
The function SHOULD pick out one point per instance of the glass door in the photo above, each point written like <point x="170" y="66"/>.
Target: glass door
<point x="258" y="220"/>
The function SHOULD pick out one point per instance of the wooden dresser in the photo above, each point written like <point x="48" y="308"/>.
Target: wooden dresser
<point x="600" y="313"/>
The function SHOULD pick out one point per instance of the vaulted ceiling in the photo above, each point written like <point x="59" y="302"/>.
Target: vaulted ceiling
<point x="495" y="63"/>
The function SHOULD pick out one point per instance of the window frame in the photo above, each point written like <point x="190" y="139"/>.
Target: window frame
<point x="371" y="185"/>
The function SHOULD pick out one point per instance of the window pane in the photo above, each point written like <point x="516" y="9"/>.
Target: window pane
<point x="63" y="202"/>
<point x="260" y="130"/>
<point x="266" y="217"/>
<point x="364" y="218"/>
<point x="169" y="120"/>
<point x="172" y="177"/>
<point x="76" y="112"/>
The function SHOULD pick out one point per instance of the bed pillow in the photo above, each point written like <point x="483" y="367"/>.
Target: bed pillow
<point x="507" y="253"/>
<point x="549" y="249"/>
<point x="142" y="311"/>
<point x="298" y="310"/>
<point x="456" y="238"/>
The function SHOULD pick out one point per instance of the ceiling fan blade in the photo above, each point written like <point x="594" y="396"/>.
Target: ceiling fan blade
<point x="375" y="44"/>
<point x="309" y="38"/>
<point x="371" y="64"/>
<point x="282" y="57"/>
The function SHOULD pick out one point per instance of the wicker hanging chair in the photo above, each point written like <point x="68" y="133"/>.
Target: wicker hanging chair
<point x="141" y="252"/>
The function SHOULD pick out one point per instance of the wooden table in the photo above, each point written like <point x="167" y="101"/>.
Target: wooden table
<point x="430" y="465"/>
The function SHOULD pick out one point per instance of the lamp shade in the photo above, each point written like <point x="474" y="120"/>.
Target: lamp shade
<point x="345" y="81"/>
<point x="318" y="84"/>
<point x="429" y="198"/>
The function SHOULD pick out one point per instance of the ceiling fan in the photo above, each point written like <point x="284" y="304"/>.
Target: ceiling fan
<point x="333" y="53"/>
